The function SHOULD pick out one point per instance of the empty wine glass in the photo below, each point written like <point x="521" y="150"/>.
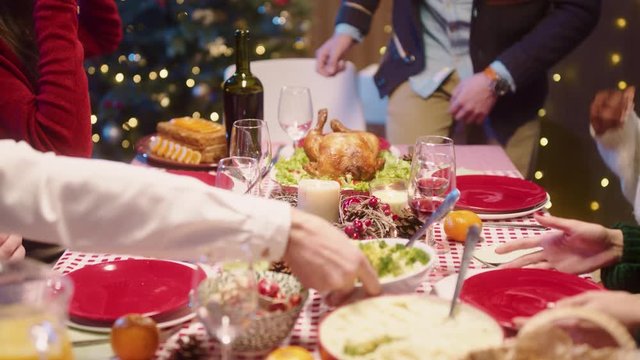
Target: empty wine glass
<point x="227" y="299"/>
<point x="433" y="176"/>
<point x="295" y="112"/>
<point x="250" y="138"/>
<point x="236" y="173"/>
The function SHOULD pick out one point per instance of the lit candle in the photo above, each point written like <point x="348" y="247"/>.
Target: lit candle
<point x="320" y="197"/>
<point x="397" y="199"/>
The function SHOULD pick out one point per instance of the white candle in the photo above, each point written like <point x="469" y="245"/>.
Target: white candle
<point x="320" y="197"/>
<point x="397" y="199"/>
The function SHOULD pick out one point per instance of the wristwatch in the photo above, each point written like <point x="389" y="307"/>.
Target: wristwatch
<point x="498" y="85"/>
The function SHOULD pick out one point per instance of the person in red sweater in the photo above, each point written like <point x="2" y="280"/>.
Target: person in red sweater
<point x="45" y="96"/>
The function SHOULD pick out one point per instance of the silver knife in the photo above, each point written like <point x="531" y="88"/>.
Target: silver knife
<point x="266" y="170"/>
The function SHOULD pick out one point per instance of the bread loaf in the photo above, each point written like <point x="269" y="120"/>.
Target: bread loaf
<point x="204" y="136"/>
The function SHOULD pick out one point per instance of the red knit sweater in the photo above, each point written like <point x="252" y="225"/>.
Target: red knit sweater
<point x="55" y="116"/>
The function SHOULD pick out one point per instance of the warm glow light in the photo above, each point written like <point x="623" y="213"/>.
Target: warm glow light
<point x="604" y="182"/>
<point x="195" y="70"/>
<point x="137" y="78"/>
<point x="104" y="68"/>
<point x="179" y="2"/>
<point x="91" y="70"/>
<point x="125" y="144"/>
<point x="299" y="44"/>
<point x="615" y="58"/>
<point x="622" y="85"/>
<point x="165" y="102"/>
<point x="214" y="116"/>
<point x="388" y="29"/>
<point x="119" y="77"/>
<point x="542" y="113"/>
<point x="122" y="59"/>
<point x="538" y="175"/>
<point x="382" y="50"/>
<point x="544" y="141"/>
<point x="164" y="73"/>
<point x="260" y="50"/>
<point x="594" y="206"/>
<point x="196" y="115"/>
<point x="621" y="23"/>
<point x="153" y="75"/>
<point x="190" y="83"/>
<point x="95" y="138"/>
<point x="94" y="119"/>
<point x="133" y="122"/>
<point x="556" y="77"/>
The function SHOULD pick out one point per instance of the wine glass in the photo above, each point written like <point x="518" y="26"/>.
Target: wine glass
<point x="236" y="173"/>
<point x="433" y="176"/>
<point x="227" y="299"/>
<point x="295" y="112"/>
<point x="250" y="138"/>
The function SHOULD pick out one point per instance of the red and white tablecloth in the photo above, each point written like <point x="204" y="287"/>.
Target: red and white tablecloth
<point x="486" y="159"/>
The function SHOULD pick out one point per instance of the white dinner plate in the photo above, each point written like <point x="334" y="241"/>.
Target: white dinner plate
<point x="488" y="255"/>
<point x="502" y="216"/>
<point x="105" y="330"/>
<point x="446" y="286"/>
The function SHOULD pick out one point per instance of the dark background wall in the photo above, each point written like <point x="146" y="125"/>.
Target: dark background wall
<point x="569" y="165"/>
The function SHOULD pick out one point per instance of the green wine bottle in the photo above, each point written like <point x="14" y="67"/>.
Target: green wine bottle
<point x="243" y="95"/>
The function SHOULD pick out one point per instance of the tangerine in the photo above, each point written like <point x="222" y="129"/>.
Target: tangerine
<point x="290" y="352"/>
<point x="134" y="337"/>
<point x="457" y="223"/>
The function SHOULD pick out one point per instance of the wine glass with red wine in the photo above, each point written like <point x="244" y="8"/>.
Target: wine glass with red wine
<point x="433" y="176"/>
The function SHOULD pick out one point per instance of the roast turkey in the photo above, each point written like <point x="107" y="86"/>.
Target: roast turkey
<point x="343" y="152"/>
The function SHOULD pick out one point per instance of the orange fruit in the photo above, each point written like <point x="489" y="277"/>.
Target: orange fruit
<point x="457" y="223"/>
<point x="135" y="337"/>
<point x="290" y="352"/>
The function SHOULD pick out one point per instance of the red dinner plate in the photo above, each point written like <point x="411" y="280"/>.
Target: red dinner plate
<point x="498" y="194"/>
<point x="509" y="293"/>
<point x="106" y="291"/>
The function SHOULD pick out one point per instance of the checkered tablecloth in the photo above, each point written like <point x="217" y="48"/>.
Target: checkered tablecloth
<point x="305" y="330"/>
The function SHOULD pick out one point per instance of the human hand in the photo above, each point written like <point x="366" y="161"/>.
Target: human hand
<point x="609" y="107"/>
<point x="11" y="247"/>
<point x="330" y="56"/>
<point x="323" y="258"/>
<point x="621" y="305"/>
<point x="574" y="247"/>
<point x="472" y="99"/>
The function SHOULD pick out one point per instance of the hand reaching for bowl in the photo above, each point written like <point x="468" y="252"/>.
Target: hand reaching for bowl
<point x="621" y="305"/>
<point x="323" y="258"/>
<point x="572" y="246"/>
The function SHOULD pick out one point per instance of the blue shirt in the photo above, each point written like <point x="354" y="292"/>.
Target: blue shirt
<point x="447" y="25"/>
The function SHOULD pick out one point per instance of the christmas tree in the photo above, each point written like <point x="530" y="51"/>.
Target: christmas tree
<point x="172" y="58"/>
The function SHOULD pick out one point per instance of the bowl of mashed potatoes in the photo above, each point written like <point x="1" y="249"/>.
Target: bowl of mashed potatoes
<point x="406" y="327"/>
<point x="400" y="269"/>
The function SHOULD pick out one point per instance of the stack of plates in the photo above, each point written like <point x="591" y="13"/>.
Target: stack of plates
<point x="156" y="288"/>
<point x="499" y="197"/>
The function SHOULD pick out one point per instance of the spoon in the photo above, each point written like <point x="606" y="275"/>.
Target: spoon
<point x="442" y="211"/>
<point x="473" y="235"/>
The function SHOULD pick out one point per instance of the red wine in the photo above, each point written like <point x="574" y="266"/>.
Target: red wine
<point x="432" y="186"/>
<point x="423" y="207"/>
<point x="243" y="95"/>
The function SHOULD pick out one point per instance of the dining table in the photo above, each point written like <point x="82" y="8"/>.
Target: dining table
<point x="470" y="159"/>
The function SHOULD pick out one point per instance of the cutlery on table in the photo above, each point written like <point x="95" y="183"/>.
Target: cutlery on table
<point x="442" y="211"/>
<point x="473" y="236"/>
<point x="515" y="225"/>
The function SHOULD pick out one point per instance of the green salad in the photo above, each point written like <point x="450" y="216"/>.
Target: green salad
<point x="393" y="260"/>
<point x="290" y="171"/>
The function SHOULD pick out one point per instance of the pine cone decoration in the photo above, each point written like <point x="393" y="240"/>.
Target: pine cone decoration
<point x="407" y="224"/>
<point x="190" y="348"/>
<point x="281" y="267"/>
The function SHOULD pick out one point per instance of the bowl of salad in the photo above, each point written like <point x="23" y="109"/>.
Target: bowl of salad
<point x="400" y="269"/>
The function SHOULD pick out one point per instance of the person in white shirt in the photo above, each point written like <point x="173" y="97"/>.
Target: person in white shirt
<point x="616" y="130"/>
<point x="105" y="206"/>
